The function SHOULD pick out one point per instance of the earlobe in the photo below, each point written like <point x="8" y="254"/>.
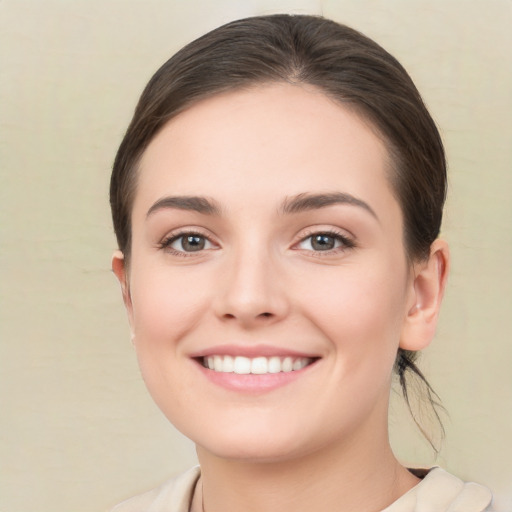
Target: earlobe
<point x="427" y="292"/>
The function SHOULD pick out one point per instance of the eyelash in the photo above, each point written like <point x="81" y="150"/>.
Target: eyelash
<point x="167" y="242"/>
<point x="346" y="243"/>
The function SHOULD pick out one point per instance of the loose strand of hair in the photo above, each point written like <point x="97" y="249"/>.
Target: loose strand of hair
<point x="407" y="367"/>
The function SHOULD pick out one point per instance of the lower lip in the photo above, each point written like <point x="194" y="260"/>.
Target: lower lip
<point x="252" y="383"/>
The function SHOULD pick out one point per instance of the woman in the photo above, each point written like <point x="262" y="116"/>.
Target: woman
<point x="277" y="200"/>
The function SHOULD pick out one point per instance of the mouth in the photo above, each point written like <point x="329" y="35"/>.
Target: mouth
<point x="253" y="369"/>
<point x="260" y="365"/>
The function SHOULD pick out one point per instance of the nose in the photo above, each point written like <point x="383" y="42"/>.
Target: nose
<point x="251" y="291"/>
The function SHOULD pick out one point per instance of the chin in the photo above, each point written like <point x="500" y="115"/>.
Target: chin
<point x="251" y="452"/>
<point x="254" y="443"/>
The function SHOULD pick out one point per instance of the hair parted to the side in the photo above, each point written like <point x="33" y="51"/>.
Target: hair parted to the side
<point x="348" y="67"/>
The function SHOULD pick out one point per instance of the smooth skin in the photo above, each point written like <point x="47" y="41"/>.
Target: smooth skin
<point x="329" y="278"/>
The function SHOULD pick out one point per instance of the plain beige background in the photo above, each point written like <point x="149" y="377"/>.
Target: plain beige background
<point x="78" y="430"/>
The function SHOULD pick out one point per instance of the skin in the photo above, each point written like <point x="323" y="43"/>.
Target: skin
<point x="259" y="280"/>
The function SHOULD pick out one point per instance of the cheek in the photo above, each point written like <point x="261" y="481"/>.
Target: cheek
<point x="361" y="311"/>
<point x="167" y="304"/>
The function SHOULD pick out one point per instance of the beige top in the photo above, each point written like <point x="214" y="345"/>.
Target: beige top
<point x="437" y="492"/>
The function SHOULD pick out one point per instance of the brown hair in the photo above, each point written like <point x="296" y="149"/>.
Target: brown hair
<point x="348" y="67"/>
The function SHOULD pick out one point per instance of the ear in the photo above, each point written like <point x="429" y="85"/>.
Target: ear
<point x="427" y="290"/>
<point x="121" y="272"/>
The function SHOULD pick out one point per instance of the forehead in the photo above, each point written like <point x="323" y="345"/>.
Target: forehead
<point x="264" y="142"/>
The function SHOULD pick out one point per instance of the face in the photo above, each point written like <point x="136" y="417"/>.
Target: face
<point x="268" y="286"/>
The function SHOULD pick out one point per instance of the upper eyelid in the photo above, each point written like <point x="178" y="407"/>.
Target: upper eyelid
<point x="318" y="230"/>
<point x="176" y="233"/>
<point x="166" y="243"/>
<point x="348" y="240"/>
<point x="177" y="236"/>
<point x="303" y="234"/>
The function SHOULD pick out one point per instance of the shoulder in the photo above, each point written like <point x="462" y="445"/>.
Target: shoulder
<point x="173" y="495"/>
<point x="440" y="491"/>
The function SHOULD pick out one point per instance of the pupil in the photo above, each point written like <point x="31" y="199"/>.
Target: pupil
<point x="323" y="242"/>
<point x="193" y="243"/>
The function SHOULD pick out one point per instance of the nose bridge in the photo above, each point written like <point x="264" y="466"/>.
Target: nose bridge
<point x="251" y="290"/>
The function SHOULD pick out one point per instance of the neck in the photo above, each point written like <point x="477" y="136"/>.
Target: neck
<point x="345" y="478"/>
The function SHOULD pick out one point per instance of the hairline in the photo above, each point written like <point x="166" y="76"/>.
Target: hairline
<point x="392" y="154"/>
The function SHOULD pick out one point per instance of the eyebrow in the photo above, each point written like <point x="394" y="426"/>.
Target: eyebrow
<point x="296" y="204"/>
<point x="193" y="203"/>
<point x="306" y="202"/>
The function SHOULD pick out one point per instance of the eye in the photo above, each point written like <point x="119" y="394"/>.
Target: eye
<point x="324" y="242"/>
<point x="187" y="243"/>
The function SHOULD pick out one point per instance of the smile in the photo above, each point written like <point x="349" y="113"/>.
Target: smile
<point x="256" y="366"/>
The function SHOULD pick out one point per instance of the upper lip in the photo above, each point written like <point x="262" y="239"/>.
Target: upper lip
<point x="250" y="351"/>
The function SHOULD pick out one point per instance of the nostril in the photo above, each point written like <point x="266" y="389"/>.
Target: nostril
<point x="234" y="316"/>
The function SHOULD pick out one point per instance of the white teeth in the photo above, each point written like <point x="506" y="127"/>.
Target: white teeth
<point x="257" y="365"/>
<point x="287" y="365"/>
<point x="217" y="363"/>
<point x="298" y="364"/>
<point x="242" y="365"/>
<point x="274" y="365"/>
<point x="228" y="364"/>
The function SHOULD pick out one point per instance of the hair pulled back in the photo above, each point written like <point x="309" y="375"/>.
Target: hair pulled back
<point x="349" y="68"/>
